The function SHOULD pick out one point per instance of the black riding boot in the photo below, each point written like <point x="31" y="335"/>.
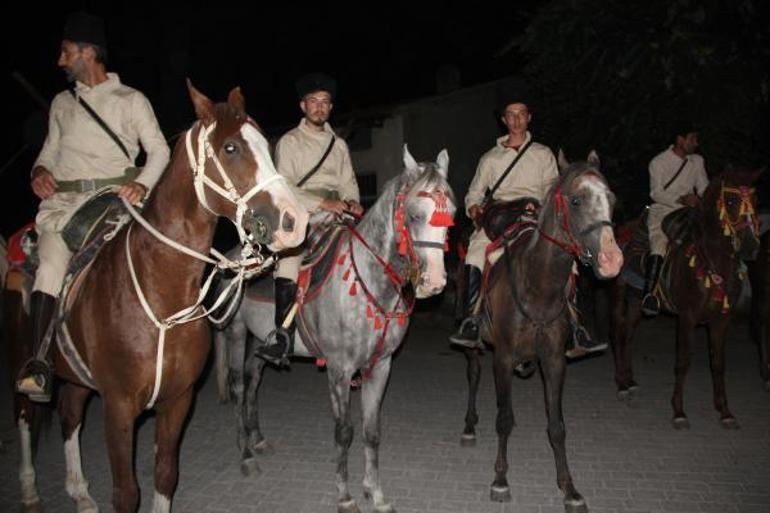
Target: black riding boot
<point x="468" y="333"/>
<point x="581" y="343"/>
<point x="650" y="303"/>
<point x="280" y="342"/>
<point x="36" y="377"/>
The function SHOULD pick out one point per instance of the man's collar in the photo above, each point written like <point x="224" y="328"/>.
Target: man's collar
<point x="113" y="81"/>
<point x="305" y="127"/>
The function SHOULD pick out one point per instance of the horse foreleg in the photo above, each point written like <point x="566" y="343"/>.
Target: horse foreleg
<point x="627" y="314"/>
<point x="168" y="428"/>
<point x="503" y="370"/>
<point x="30" y="500"/>
<point x="339" y="388"/>
<point x="120" y="414"/>
<point x="221" y="365"/>
<point x="372" y="391"/>
<point x="717" y="331"/>
<point x="552" y="370"/>
<point x="71" y="408"/>
<point x="253" y="442"/>
<point x="685" y="327"/>
<point x="473" y="373"/>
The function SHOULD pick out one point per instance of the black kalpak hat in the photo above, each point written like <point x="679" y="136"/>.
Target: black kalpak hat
<point x="313" y="82"/>
<point x="520" y="95"/>
<point x="82" y="27"/>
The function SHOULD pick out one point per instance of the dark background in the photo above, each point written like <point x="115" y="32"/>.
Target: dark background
<point x="609" y="75"/>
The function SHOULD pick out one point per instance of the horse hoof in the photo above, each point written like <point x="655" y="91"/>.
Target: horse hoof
<point x="384" y="508"/>
<point x="730" y="423"/>
<point x="32" y="507"/>
<point x="348" y="507"/>
<point x="633" y="387"/>
<point x="681" y="423"/>
<point x="500" y="493"/>
<point x="86" y="504"/>
<point x="575" y="506"/>
<point x="624" y="395"/>
<point x="468" y="440"/>
<point x="263" y="448"/>
<point x="250" y="466"/>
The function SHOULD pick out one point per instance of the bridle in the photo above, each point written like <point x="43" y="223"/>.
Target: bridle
<point x="572" y="245"/>
<point x="746" y="217"/>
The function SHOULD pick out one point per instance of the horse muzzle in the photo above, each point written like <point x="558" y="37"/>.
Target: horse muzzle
<point x="259" y="227"/>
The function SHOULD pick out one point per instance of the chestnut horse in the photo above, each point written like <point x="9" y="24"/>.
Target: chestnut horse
<point x="700" y="281"/>
<point x="129" y="316"/>
<point x="525" y="316"/>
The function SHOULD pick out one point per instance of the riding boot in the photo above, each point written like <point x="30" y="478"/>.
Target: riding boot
<point x="279" y="344"/>
<point x="650" y="302"/>
<point x="580" y="343"/>
<point x="36" y="377"/>
<point x="468" y="333"/>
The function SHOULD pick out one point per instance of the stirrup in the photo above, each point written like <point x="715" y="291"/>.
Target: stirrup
<point x="468" y="334"/>
<point x="276" y="348"/>
<point x="650" y="305"/>
<point x="35" y="381"/>
<point x="582" y="344"/>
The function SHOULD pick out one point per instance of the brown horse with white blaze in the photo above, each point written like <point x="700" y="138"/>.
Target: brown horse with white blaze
<point x="134" y="316"/>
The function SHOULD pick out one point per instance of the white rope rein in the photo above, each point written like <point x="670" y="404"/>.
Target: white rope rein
<point x="250" y="263"/>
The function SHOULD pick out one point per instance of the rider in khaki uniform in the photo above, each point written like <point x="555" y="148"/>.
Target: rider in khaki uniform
<point x="330" y="186"/>
<point x="531" y="177"/>
<point x="78" y="158"/>
<point x="677" y="180"/>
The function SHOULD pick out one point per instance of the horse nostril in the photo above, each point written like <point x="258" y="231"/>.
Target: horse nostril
<point x="259" y="228"/>
<point x="288" y="222"/>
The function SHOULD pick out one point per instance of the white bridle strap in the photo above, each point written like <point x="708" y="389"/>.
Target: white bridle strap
<point x="229" y="192"/>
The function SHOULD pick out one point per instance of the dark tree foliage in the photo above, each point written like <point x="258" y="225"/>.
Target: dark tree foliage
<point x="618" y="75"/>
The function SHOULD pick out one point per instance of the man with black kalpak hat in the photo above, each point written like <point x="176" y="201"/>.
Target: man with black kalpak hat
<point x="80" y="158"/>
<point x="317" y="162"/>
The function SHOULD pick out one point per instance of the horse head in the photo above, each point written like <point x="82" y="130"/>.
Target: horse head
<point x="583" y="203"/>
<point x="235" y="176"/>
<point x="730" y="203"/>
<point x="424" y="212"/>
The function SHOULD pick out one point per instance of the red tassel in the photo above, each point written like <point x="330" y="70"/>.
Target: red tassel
<point x="441" y="218"/>
<point x="353" y="289"/>
<point x="401" y="320"/>
<point x="402" y="246"/>
<point x="320" y="362"/>
<point x="341" y="259"/>
<point x="377" y="323"/>
<point x="369" y="313"/>
<point x="346" y="275"/>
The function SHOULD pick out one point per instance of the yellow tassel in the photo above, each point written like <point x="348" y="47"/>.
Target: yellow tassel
<point x="725" y="304"/>
<point x="692" y="261"/>
<point x="727" y="230"/>
<point x="722" y="214"/>
<point x="707" y="282"/>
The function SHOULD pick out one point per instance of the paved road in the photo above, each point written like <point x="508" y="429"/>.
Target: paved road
<point x="625" y="457"/>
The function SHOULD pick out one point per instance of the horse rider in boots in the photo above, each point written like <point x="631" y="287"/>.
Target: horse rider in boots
<point x="677" y="180"/>
<point x="66" y="175"/>
<point x="318" y="164"/>
<point x="516" y="167"/>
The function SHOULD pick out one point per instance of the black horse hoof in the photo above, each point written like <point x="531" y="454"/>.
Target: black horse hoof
<point x="250" y="466"/>
<point x="730" y="423"/>
<point x="500" y="493"/>
<point x="468" y="440"/>
<point x="681" y="423"/>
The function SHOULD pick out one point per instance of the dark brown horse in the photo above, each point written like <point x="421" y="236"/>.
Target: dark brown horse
<point x="525" y="316"/>
<point x="130" y="317"/>
<point x="700" y="282"/>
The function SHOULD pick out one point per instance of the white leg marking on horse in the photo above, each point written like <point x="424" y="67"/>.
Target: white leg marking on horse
<point x="76" y="483"/>
<point x="26" y="468"/>
<point x="161" y="503"/>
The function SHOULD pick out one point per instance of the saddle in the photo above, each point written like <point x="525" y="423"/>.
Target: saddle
<point x="500" y="216"/>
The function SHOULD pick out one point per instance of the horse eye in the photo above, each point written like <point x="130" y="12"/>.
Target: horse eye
<point x="416" y="217"/>
<point x="230" y="148"/>
<point x="575" y="201"/>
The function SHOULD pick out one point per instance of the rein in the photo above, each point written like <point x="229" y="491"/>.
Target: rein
<point x="250" y="263"/>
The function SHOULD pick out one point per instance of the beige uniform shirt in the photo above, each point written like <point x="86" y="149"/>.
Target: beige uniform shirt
<point x="533" y="175"/>
<point x="78" y="148"/>
<point x="300" y="149"/>
<point x="663" y="168"/>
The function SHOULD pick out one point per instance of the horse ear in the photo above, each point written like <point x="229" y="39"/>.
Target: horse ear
<point x="562" y="161"/>
<point x="410" y="165"/>
<point x="236" y="100"/>
<point x="204" y="108"/>
<point x="443" y="163"/>
<point x="593" y="159"/>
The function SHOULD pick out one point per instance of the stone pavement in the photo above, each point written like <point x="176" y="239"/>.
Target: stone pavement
<point x="624" y="457"/>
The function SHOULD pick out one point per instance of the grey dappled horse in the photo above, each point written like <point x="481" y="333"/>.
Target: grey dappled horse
<point x="405" y="231"/>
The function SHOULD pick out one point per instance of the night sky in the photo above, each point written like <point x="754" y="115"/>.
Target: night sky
<point x="379" y="53"/>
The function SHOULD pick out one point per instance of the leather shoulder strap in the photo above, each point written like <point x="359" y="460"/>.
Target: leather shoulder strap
<point x="102" y="124"/>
